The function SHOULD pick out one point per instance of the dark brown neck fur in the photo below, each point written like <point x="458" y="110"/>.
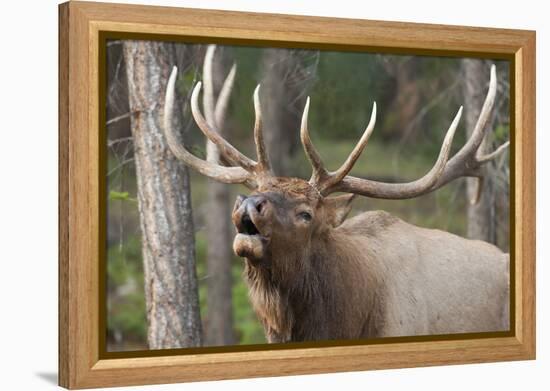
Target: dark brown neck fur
<point x="306" y="296"/>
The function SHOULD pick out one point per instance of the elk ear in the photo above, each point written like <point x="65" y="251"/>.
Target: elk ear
<point x="338" y="208"/>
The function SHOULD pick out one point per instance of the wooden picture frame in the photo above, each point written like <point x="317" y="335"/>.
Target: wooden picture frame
<point x="81" y="25"/>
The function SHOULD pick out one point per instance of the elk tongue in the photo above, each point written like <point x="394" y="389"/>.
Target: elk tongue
<point x="248" y="246"/>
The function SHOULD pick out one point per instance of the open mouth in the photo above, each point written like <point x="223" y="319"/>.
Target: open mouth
<point x="250" y="242"/>
<point x="246" y="226"/>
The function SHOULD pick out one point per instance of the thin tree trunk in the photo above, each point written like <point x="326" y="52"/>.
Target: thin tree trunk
<point x="219" y="282"/>
<point x="219" y="327"/>
<point x="164" y="200"/>
<point x="482" y="215"/>
<point x="406" y="97"/>
<point x="285" y="77"/>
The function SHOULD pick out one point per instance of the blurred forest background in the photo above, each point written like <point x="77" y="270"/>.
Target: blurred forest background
<point x="417" y="98"/>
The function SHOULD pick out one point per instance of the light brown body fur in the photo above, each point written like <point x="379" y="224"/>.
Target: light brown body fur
<point x="429" y="281"/>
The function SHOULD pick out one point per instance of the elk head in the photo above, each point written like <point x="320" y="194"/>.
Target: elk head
<point x="282" y="216"/>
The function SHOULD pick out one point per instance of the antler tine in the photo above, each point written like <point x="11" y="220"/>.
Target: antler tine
<point x="479" y="132"/>
<point x="211" y="170"/>
<point x="319" y="171"/>
<point x="228" y="151"/>
<point x="223" y="96"/>
<point x="339" y="174"/>
<point x="261" y="151"/>
<point x="208" y="100"/>
<point x="496" y="153"/>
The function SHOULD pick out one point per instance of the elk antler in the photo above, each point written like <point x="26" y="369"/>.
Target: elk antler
<point x="247" y="171"/>
<point x="466" y="162"/>
<point x="212" y="170"/>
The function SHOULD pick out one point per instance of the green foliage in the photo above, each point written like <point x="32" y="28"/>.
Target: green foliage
<point x="186" y="80"/>
<point x="200" y="252"/>
<point x="126" y="298"/>
<point x="501" y="133"/>
<point x="340" y="108"/>
<point x="120" y="196"/>
<point x="246" y="79"/>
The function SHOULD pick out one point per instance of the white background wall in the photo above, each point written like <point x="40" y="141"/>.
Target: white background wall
<point x="28" y="192"/>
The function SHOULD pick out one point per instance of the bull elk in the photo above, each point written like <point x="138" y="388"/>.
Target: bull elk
<point x="313" y="275"/>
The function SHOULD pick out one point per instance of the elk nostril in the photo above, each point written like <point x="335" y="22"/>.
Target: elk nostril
<point x="260" y="206"/>
<point x="239" y="201"/>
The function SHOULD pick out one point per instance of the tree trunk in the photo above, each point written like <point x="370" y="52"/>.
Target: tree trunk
<point x="406" y="98"/>
<point x="482" y="215"/>
<point x="219" y="282"/>
<point x="285" y="76"/>
<point x="219" y="327"/>
<point x="164" y="200"/>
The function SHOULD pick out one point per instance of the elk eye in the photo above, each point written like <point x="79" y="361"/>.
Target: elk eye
<point x="306" y="216"/>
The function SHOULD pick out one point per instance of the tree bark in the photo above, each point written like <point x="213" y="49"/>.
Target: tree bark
<point x="285" y="77"/>
<point x="171" y="289"/>
<point x="219" y="282"/>
<point x="482" y="219"/>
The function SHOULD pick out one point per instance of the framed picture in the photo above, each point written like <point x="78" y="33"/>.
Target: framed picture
<point x="246" y="195"/>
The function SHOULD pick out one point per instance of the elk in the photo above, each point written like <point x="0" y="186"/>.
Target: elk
<point x="312" y="274"/>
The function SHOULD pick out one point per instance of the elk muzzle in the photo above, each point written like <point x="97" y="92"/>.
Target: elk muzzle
<point x="251" y="217"/>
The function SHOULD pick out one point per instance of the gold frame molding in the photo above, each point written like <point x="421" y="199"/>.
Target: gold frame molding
<point x="83" y="28"/>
